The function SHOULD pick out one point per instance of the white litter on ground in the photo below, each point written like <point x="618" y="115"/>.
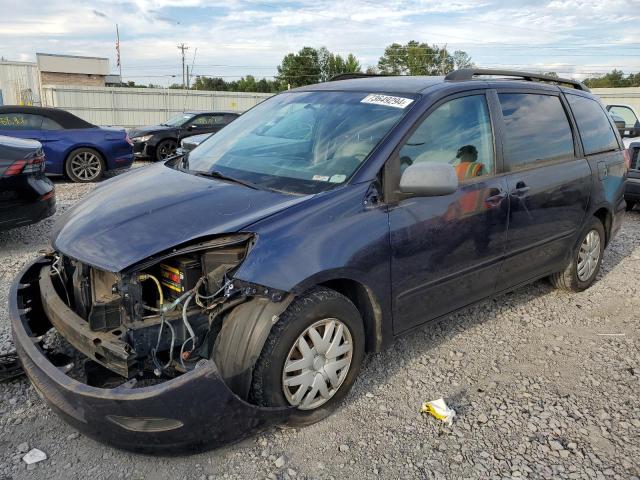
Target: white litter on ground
<point x="439" y="409"/>
<point x="34" y="456"/>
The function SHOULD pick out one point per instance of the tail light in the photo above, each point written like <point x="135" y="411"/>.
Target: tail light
<point x="27" y="165"/>
<point x="127" y="139"/>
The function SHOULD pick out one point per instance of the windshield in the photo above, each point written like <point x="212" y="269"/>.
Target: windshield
<point x="179" y="120"/>
<point x="302" y="142"/>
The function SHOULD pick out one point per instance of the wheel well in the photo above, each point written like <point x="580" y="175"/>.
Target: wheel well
<point x="366" y="303"/>
<point x="605" y="217"/>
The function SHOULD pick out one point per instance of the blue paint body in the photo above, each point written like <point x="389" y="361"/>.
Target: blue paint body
<point x="58" y="144"/>
<point x="418" y="258"/>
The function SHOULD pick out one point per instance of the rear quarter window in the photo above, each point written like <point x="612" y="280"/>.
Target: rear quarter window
<point x="536" y="129"/>
<point x="593" y="123"/>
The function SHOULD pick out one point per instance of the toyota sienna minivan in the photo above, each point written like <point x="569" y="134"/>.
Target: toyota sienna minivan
<point x="191" y="303"/>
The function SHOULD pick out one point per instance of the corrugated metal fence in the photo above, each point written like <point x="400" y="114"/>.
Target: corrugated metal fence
<point x="133" y="107"/>
<point x="620" y="96"/>
<point x="19" y="83"/>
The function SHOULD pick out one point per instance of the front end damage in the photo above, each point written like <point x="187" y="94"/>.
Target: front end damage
<point x="141" y="359"/>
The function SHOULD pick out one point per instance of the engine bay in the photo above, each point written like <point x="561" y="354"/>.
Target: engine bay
<point x="156" y="320"/>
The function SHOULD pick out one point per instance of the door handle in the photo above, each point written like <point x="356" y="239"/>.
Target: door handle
<point x="494" y="200"/>
<point x="520" y="190"/>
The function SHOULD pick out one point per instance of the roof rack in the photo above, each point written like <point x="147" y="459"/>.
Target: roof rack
<point x="350" y="76"/>
<point x="469" y="73"/>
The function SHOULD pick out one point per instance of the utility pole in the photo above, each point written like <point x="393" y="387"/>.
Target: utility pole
<point x="183" y="48"/>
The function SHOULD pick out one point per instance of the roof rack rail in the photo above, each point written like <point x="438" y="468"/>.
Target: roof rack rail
<point x="469" y="73"/>
<point x="351" y="76"/>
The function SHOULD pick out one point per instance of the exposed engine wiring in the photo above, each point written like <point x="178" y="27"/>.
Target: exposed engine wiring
<point x="154" y="358"/>
<point x="146" y="276"/>
<point x="192" y="334"/>
<point x="54" y="267"/>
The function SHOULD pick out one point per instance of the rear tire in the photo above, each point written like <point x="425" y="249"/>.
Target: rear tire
<point x="630" y="205"/>
<point x="585" y="261"/>
<point x="330" y="366"/>
<point x="84" y="165"/>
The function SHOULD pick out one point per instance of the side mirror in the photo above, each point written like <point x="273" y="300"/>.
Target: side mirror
<point x="429" y="179"/>
<point x="192" y="127"/>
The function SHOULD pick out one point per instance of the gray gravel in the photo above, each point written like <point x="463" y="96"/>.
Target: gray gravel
<point x="546" y="384"/>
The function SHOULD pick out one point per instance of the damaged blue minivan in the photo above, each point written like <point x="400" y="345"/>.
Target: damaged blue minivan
<point x="241" y="285"/>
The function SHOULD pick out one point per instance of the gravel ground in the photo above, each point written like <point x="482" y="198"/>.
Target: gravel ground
<point x="546" y="384"/>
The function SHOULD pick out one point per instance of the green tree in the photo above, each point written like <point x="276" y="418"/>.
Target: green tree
<point x="332" y="64"/>
<point x="615" y="78"/>
<point x="298" y="69"/>
<point x="416" y="58"/>
<point x="352" y="64"/>
<point x="462" y="60"/>
<point x="394" y="60"/>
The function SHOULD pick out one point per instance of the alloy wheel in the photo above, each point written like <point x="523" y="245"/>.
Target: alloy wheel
<point x="86" y="166"/>
<point x="317" y="364"/>
<point x="167" y="149"/>
<point x="588" y="255"/>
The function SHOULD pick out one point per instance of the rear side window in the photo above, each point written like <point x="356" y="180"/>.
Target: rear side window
<point x="209" y="120"/>
<point x="48" y="124"/>
<point x="20" y="121"/>
<point x="536" y="129"/>
<point x="595" y="129"/>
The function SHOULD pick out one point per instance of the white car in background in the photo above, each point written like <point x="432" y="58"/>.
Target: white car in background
<point x="630" y="132"/>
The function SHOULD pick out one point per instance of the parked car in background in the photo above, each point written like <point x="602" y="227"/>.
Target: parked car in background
<point x="26" y="194"/>
<point x="159" y="142"/>
<point x="316" y="227"/>
<point x="632" y="188"/>
<point x="189" y="143"/>
<point x="73" y="147"/>
<point x="627" y="122"/>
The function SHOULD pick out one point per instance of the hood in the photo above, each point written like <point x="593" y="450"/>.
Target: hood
<point x="138" y="132"/>
<point x="155" y="208"/>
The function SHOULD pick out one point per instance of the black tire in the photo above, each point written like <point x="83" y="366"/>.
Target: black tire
<point x="568" y="279"/>
<point x="165" y="149"/>
<point x="630" y="205"/>
<point x="92" y="172"/>
<point x="316" y="304"/>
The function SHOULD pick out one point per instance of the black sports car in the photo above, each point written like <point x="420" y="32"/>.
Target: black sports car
<point x="159" y="142"/>
<point x="26" y="194"/>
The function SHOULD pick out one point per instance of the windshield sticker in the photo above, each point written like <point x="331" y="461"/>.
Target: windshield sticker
<point x="338" y="178"/>
<point x="387" y="100"/>
<point x="320" y="178"/>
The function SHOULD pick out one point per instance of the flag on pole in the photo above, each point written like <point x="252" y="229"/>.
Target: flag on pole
<point x="117" y="46"/>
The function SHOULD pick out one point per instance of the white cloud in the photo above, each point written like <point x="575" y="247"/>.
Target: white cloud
<point x="575" y="35"/>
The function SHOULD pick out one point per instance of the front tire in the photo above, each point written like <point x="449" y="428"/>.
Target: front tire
<point x="166" y="149"/>
<point x="585" y="262"/>
<point x="312" y="356"/>
<point x="84" y="165"/>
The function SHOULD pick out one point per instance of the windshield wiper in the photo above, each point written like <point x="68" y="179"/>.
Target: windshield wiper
<point x="222" y="176"/>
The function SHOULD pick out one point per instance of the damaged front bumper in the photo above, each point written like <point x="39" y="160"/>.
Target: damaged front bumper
<point x="192" y="412"/>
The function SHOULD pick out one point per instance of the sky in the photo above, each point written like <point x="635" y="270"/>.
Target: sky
<point x="231" y="38"/>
